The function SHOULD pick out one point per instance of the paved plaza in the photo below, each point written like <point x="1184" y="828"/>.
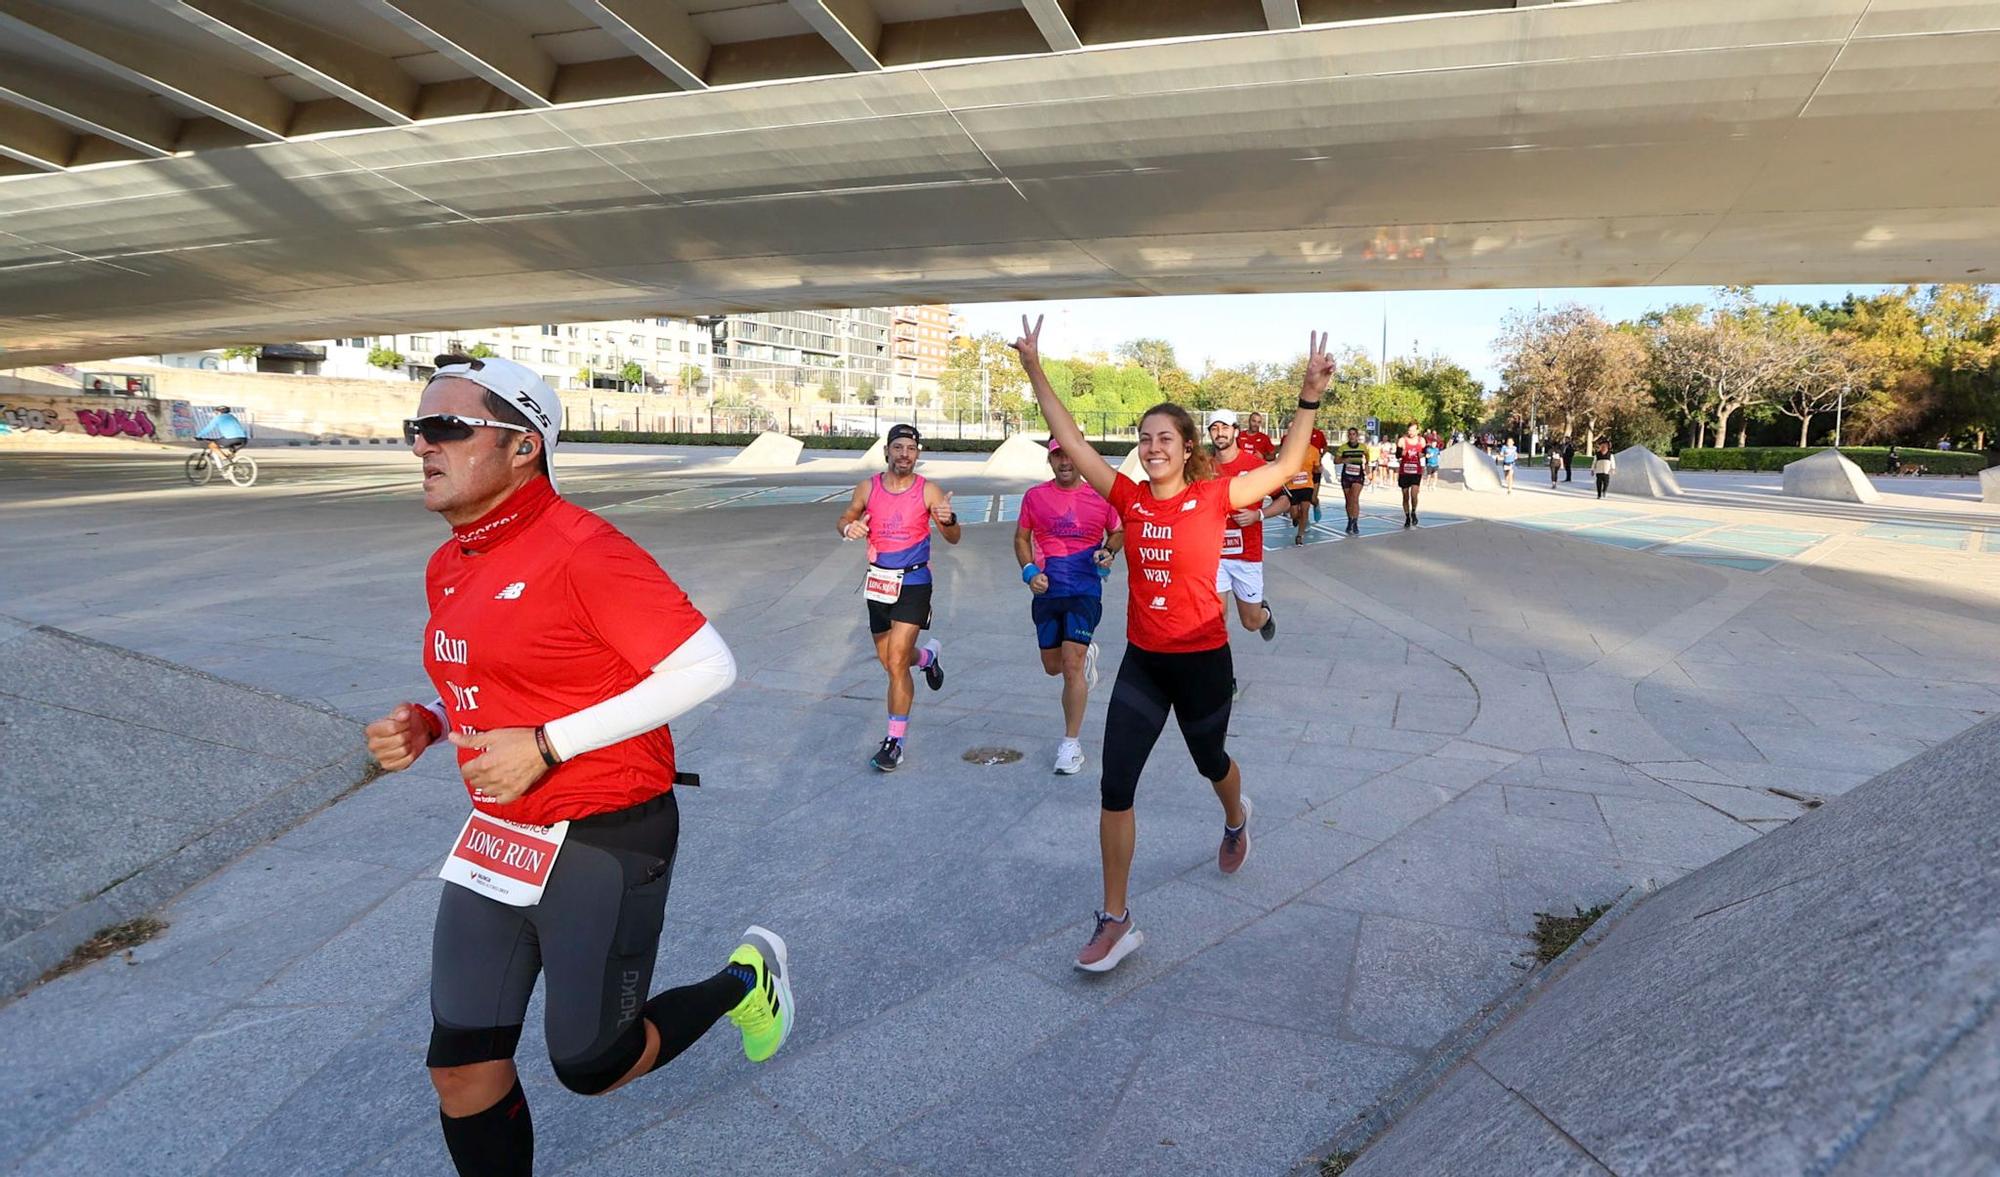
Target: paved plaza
<point x="1534" y="702"/>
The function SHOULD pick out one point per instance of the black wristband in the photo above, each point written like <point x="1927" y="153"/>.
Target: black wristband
<point x="542" y="746"/>
<point x="1309" y="406"/>
<point x="951" y="522"/>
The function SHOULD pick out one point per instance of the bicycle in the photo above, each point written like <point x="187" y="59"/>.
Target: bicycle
<point x="239" y="468"/>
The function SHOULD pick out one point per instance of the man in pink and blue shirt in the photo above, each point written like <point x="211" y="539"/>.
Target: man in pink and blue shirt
<point x="1066" y="542"/>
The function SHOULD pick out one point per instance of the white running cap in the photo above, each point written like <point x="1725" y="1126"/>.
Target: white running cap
<point x="1222" y="416"/>
<point x="520" y="387"/>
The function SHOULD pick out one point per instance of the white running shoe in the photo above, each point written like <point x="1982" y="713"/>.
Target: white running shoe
<point x="1069" y="757"/>
<point x="1089" y="669"/>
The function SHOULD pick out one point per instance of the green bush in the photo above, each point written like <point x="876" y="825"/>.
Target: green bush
<point x="940" y="445"/>
<point x="1873" y="459"/>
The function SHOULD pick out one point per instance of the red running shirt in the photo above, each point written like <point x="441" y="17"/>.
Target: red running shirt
<point x="1412" y="452"/>
<point x="1245" y="544"/>
<point x="1173" y="547"/>
<point x="1257" y="442"/>
<point x="542" y="609"/>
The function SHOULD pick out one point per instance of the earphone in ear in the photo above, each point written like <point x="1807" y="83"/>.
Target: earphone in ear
<point x="527" y="447"/>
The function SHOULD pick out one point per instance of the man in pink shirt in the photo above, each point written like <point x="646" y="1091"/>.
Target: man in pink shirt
<point x="1066" y="542"/>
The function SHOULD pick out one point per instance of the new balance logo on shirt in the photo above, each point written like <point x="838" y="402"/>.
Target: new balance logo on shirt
<point x="512" y="592"/>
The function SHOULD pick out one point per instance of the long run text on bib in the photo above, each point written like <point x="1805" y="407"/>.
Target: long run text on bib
<point x="883" y="585"/>
<point x="504" y="860"/>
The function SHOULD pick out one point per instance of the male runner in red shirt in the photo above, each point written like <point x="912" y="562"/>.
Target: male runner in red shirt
<point x="1256" y="441"/>
<point x="560" y="650"/>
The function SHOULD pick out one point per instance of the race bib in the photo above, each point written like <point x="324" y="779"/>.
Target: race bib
<point x="1410" y="467"/>
<point x="1301" y="480"/>
<point x="504" y="860"/>
<point x="883" y="585"/>
<point x="1232" y="541"/>
<point x="1350" y="469"/>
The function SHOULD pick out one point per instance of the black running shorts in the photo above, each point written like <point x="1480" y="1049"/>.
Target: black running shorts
<point x="913" y="606"/>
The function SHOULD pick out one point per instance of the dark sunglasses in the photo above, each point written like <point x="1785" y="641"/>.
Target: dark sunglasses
<point x="439" y="428"/>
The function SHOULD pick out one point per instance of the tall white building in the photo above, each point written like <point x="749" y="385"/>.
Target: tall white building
<point x="673" y="355"/>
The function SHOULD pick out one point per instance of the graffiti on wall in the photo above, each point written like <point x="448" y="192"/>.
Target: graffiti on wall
<point x="180" y="416"/>
<point x="115" y="422"/>
<point x="14" y="418"/>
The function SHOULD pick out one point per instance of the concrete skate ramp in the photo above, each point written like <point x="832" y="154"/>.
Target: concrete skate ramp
<point x="1131" y="468"/>
<point x="1643" y="473"/>
<point x="768" y="450"/>
<point x="126" y="779"/>
<point x="1020" y="456"/>
<point x="875" y="460"/>
<point x="1829" y="475"/>
<point x="1989" y="484"/>
<point x="1461" y="464"/>
<point x="1823" y="1001"/>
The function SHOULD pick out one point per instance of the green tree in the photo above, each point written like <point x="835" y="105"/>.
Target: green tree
<point x="480" y="351"/>
<point x="249" y="351"/>
<point x="632" y="374"/>
<point x="983" y="367"/>
<point x="1452" y="398"/>
<point x="1572" y="369"/>
<point x="865" y="391"/>
<point x="690" y="377"/>
<point x="384" y="357"/>
<point x="1156" y="356"/>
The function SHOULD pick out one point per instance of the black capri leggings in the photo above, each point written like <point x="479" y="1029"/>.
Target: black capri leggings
<point x="1603" y="484"/>
<point x="1196" y="687"/>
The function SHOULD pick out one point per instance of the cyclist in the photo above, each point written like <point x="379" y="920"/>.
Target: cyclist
<point x="894" y="511"/>
<point x="224" y="434"/>
<point x="1177" y="654"/>
<point x="560" y="651"/>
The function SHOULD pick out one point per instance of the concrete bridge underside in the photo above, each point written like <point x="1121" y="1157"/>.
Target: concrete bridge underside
<point x="1611" y="143"/>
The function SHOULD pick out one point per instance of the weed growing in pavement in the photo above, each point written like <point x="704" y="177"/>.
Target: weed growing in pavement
<point x="114" y="939"/>
<point x="1336" y="1164"/>
<point x="1554" y="933"/>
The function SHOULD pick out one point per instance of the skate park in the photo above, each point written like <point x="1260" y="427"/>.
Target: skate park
<point x="1756" y="726"/>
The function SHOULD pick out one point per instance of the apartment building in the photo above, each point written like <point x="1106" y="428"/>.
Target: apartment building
<point x="673" y="355"/>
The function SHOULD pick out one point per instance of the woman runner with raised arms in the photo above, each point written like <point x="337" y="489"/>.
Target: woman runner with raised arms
<point x="1177" y="653"/>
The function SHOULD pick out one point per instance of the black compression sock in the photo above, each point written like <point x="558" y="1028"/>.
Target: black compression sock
<point x="683" y="1015"/>
<point x="498" y="1142"/>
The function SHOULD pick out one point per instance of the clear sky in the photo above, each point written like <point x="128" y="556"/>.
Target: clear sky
<point x="1232" y="329"/>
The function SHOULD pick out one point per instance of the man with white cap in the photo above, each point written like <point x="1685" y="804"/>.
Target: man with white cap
<point x="1068" y="537"/>
<point x="1242" y="568"/>
<point x="560" y="651"/>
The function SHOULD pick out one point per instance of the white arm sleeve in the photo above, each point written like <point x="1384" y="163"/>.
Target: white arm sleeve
<point x="698" y="670"/>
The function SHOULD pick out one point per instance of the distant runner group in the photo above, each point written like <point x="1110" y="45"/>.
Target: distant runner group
<point x="560" y="651"/>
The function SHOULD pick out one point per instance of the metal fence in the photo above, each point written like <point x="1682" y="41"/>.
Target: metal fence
<point x="582" y="413"/>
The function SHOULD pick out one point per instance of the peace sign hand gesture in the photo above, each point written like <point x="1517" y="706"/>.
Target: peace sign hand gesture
<point x="1319" y="369"/>
<point x="1029" y="346"/>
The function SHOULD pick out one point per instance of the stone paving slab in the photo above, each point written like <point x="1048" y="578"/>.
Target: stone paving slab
<point x="1418" y="739"/>
<point x="1816" y="1002"/>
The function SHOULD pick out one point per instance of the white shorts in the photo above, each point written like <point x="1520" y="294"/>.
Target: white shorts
<point x="1245" y="578"/>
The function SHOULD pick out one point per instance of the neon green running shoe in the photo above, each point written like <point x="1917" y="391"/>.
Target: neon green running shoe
<point x="765" y="1015"/>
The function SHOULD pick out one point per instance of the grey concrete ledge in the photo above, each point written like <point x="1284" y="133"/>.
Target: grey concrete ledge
<point x="330" y="760"/>
<point x="1443" y="1059"/>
